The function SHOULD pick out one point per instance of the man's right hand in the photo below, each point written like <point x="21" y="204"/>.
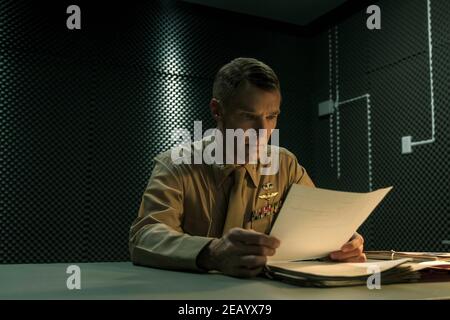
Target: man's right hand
<point x="239" y="253"/>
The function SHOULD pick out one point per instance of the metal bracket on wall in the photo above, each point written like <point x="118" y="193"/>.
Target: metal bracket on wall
<point x="324" y="110"/>
<point x="407" y="142"/>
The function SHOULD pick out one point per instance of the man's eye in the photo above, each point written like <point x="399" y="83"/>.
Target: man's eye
<point x="272" y="117"/>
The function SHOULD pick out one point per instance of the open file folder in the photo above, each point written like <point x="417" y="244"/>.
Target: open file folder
<point x="312" y="223"/>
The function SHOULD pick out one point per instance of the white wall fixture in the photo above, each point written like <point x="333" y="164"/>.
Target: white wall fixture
<point x="407" y="146"/>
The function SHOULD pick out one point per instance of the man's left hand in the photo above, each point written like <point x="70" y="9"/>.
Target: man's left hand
<point x="352" y="251"/>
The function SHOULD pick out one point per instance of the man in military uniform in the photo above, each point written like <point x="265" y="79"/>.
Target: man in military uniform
<point x="217" y="216"/>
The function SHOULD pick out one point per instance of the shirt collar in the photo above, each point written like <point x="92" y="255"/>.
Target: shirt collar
<point x="222" y="171"/>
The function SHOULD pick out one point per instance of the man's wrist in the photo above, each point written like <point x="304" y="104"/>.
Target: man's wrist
<point x="205" y="259"/>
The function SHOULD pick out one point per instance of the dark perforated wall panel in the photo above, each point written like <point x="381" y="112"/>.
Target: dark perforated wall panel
<point x="392" y="65"/>
<point x="84" y="112"/>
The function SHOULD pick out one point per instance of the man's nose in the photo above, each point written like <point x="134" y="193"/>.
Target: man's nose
<point x="263" y="134"/>
<point x="263" y="123"/>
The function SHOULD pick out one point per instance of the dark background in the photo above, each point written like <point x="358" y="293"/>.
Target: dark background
<point x="83" y="112"/>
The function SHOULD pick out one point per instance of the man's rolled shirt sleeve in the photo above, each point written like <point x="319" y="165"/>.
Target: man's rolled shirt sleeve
<point x="156" y="236"/>
<point x="299" y="174"/>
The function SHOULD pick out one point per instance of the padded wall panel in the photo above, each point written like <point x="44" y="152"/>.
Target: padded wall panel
<point x="84" y="112"/>
<point x="392" y="65"/>
<point x="44" y="117"/>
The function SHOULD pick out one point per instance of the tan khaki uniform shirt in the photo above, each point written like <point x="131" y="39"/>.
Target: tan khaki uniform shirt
<point x="184" y="207"/>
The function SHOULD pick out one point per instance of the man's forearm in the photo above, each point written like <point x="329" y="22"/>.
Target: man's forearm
<point x="158" y="245"/>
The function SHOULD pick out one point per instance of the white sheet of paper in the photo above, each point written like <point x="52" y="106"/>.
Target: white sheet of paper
<point x="314" y="222"/>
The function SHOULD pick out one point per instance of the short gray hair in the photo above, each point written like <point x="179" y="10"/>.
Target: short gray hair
<point x="241" y="70"/>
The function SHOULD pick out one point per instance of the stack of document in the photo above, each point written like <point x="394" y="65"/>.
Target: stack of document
<point x="338" y="274"/>
<point x="415" y="256"/>
<point x="314" y="222"/>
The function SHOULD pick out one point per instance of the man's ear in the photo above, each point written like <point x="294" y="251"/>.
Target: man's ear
<point x="215" y="108"/>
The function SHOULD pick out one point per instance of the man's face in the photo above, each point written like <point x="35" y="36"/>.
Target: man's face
<point x="251" y="108"/>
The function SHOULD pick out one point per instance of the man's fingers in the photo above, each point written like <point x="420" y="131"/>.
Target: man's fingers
<point x="361" y="258"/>
<point x="341" y="255"/>
<point x="356" y="242"/>
<point x="251" y="237"/>
<point x="252" y="262"/>
<point x="245" y="250"/>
